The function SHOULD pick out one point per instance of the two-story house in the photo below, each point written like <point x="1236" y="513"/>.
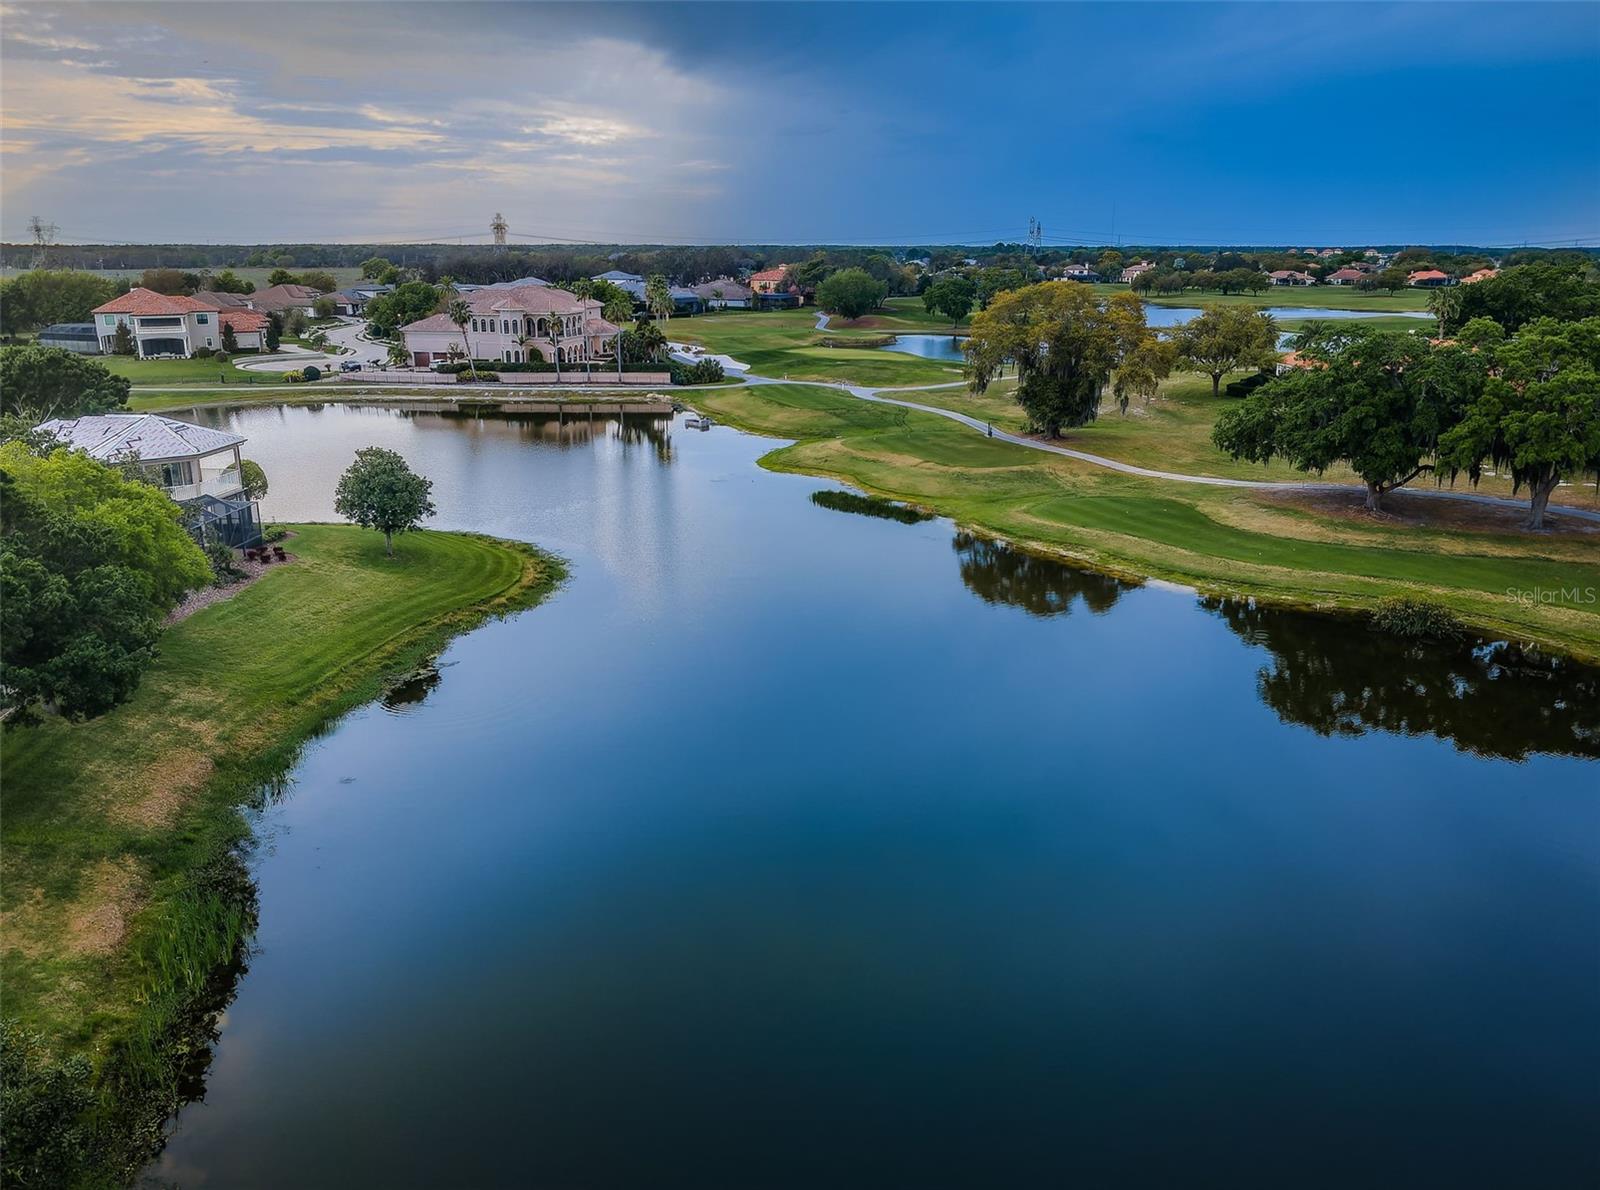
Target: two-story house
<point x="517" y="324"/>
<point x="162" y="324"/>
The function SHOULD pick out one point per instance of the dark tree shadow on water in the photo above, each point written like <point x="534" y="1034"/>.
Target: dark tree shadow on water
<point x="1001" y="574"/>
<point x="1494" y="699"/>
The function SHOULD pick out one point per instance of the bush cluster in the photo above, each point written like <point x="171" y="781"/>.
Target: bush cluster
<point x="705" y="371"/>
<point x="1416" y="619"/>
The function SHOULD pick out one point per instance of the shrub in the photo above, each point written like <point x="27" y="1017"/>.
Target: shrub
<point x="223" y="567"/>
<point x="273" y="533"/>
<point x="203" y="353"/>
<point x="294" y="377"/>
<point x="705" y="371"/>
<point x="1416" y="619"/>
<point x="48" y="1135"/>
<point x="311" y="372"/>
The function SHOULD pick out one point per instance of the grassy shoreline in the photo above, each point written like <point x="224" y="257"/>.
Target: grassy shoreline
<point x="126" y="902"/>
<point x="1219" y="541"/>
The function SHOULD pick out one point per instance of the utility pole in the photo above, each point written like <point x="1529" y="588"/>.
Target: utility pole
<point x="44" y="235"/>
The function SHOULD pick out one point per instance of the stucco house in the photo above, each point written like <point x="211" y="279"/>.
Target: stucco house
<point x="277" y="299"/>
<point x="1080" y="272"/>
<point x="725" y="294"/>
<point x="1345" y="276"/>
<point x="1291" y="277"/>
<point x="510" y="323"/>
<point x="249" y="328"/>
<point x="1133" y="270"/>
<point x="1429" y="279"/>
<point x="197" y="466"/>
<point x="162" y="324"/>
<point x="1480" y="275"/>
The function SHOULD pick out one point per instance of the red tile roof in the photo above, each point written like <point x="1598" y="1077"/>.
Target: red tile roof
<point x="1428" y="275"/>
<point x="148" y="301"/>
<point x="1480" y="275"/>
<point x="244" y="321"/>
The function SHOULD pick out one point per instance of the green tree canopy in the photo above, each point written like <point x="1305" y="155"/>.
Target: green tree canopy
<point x="850" y="293"/>
<point x="1066" y="344"/>
<point x="253" y="479"/>
<point x="45" y="296"/>
<point x="951" y="296"/>
<point x="1539" y="413"/>
<point x="380" y="491"/>
<point x="407" y="303"/>
<point x="1379" y="401"/>
<point x="616" y="303"/>
<point x="38" y="383"/>
<point x="1520" y="295"/>
<point x="374" y="266"/>
<point x="1223" y="339"/>
<point x="658" y="296"/>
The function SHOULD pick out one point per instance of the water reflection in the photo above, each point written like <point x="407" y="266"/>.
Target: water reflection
<point x="998" y="573"/>
<point x="1495" y="699"/>
<point x="405" y="694"/>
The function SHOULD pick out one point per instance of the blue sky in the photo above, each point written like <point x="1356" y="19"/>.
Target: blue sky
<point x="1206" y="123"/>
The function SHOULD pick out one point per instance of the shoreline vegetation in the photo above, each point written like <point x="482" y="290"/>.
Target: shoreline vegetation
<point x="1309" y="553"/>
<point x="128" y="906"/>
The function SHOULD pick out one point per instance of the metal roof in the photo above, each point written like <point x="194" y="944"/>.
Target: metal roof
<point x="109" y="436"/>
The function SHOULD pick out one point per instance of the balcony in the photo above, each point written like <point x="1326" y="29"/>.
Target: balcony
<point x="222" y="485"/>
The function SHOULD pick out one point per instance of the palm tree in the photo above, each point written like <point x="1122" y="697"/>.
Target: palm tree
<point x="398" y="355"/>
<point x="658" y="296"/>
<point x="1312" y="333"/>
<point x="1444" y="304"/>
<point x="555" y="344"/>
<point x="460" y="313"/>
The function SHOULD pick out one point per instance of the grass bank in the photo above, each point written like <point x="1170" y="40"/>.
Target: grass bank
<point x="1223" y="541"/>
<point x="786" y="344"/>
<point x="123" y="894"/>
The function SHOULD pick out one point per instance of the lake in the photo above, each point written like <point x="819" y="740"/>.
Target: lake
<point x="787" y="847"/>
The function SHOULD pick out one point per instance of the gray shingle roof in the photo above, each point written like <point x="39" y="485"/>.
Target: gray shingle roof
<point x="109" y="436"/>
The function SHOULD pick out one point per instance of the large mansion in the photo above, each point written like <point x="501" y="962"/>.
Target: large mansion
<point x="510" y="323"/>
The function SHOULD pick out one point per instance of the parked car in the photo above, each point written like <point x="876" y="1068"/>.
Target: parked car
<point x="350" y="365"/>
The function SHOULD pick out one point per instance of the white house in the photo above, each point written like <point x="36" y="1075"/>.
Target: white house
<point x="162" y="324"/>
<point x="510" y="323"/>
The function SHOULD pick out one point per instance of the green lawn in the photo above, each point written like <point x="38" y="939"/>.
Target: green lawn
<point x="180" y="371"/>
<point x="115" y="830"/>
<point x="1220" y="540"/>
<point x="786" y="344"/>
<point x="1326" y="297"/>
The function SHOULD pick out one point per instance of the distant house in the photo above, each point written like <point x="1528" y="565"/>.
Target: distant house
<point x="222" y="301"/>
<point x="1291" y="277"/>
<point x="1345" y="276"/>
<point x="197" y="466"/>
<point x="1293" y="361"/>
<point x="1480" y="275"/>
<point x="249" y="328"/>
<point x="71" y="336"/>
<point x="771" y="280"/>
<point x="617" y="277"/>
<point x="1133" y="270"/>
<point x="162" y="324"/>
<point x="1080" y="272"/>
<point x="278" y="299"/>
<point x="725" y="294"/>
<point x="1429" y="279"/>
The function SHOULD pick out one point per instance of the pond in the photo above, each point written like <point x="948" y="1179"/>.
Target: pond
<point x="788" y="847"/>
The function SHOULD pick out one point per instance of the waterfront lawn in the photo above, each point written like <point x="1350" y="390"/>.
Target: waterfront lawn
<point x="787" y="345"/>
<point x="1219" y="540"/>
<point x="177" y="371"/>
<point x="113" y="827"/>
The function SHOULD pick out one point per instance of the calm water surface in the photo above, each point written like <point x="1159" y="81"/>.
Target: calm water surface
<point x="790" y="848"/>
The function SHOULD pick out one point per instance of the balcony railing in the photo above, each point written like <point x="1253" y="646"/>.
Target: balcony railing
<point x="222" y="485"/>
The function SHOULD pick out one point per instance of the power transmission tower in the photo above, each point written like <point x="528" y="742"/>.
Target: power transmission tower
<point x="499" y="228"/>
<point x="44" y="235"/>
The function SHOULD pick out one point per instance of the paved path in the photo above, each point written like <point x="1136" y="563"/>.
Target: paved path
<point x="876" y="395"/>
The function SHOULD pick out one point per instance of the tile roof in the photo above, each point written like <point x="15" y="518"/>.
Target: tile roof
<point x="220" y="300"/>
<point x="246" y="321"/>
<point x="1427" y="275"/>
<point x="433" y="322"/>
<point x="282" y="297"/>
<point x="107" y="436"/>
<point x="139" y="301"/>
